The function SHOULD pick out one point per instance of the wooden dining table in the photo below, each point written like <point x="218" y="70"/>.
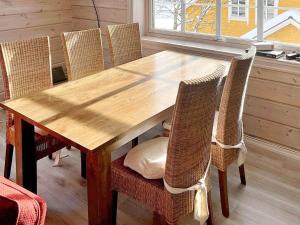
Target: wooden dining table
<point x="100" y="113"/>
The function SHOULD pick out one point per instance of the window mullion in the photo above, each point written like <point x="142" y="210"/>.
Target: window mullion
<point x="182" y="15"/>
<point x="260" y="20"/>
<point x="219" y="20"/>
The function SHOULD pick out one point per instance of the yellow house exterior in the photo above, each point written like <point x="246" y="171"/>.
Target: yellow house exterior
<point x="279" y="28"/>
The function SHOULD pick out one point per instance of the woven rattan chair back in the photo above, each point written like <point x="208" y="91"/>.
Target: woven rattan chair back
<point x="191" y="132"/>
<point x="229" y="129"/>
<point x="83" y="53"/>
<point x="124" y="43"/>
<point x="26" y="67"/>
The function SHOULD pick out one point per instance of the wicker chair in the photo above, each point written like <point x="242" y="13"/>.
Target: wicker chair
<point x="229" y="129"/>
<point x="84" y="56"/>
<point x="26" y="69"/>
<point x="83" y="53"/>
<point x="125" y="46"/>
<point x="187" y="158"/>
<point x="124" y="43"/>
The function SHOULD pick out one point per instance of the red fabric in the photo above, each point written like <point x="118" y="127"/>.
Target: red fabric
<point x="19" y="206"/>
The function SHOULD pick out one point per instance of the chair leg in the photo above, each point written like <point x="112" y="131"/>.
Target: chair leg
<point x="242" y="174"/>
<point x="224" y="192"/>
<point x="114" y="207"/>
<point x="8" y="160"/>
<point x="68" y="147"/>
<point x="50" y="156"/>
<point x="134" y="142"/>
<point x="210" y="209"/>
<point x="159" y="220"/>
<point x="83" y="164"/>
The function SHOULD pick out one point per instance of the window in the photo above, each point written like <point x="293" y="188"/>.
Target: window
<point x="256" y="20"/>
<point x="238" y="10"/>
<point x="184" y="15"/>
<point x="270" y="9"/>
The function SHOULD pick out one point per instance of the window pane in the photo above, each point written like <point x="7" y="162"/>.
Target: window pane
<point x="201" y="16"/>
<point x="238" y="19"/>
<point x="167" y="14"/>
<point x="270" y="3"/>
<point x="282" y="21"/>
<point x="242" y="2"/>
<point x="242" y="12"/>
<point x="235" y="11"/>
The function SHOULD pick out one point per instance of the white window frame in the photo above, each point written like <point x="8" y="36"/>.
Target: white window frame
<point x="275" y="8"/>
<point x="232" y="17"/>
<point x="276" y="5"/>
<point x="212" y="38"/>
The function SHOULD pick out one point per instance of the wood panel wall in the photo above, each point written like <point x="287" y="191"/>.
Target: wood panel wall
<point x="24" y="19"/>
<point x="109" y="11"/>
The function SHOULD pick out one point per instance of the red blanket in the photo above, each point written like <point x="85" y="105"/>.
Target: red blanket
<point x="19" y="206"/>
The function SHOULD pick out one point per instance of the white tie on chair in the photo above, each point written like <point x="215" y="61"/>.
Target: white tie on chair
<point x="240" y="146"/>
<point x="201" y="212"/>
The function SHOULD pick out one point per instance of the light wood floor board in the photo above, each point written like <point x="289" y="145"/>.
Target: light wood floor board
<point x="271" y="197"/>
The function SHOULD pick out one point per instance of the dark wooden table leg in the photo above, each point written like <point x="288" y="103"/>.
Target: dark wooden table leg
<point x="83" y="164"/>
<point x="25" y="155"/>
<point x="99" y="187"/>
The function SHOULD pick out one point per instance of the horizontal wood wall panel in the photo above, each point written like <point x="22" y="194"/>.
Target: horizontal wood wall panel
<point x="105" y="14"/>
<point x="115" y="4"/>
<point x="57" y="57"/>
<point x="273" y="111"/>
<point x="19" y="21"/>
<point x="274" y="91"/>
<point x="84" y="24"/>
<point x="8" y="7"/>
<point x="26" y="33"/>
<point x="272" y="131"/>
<point x="288" y="78"/>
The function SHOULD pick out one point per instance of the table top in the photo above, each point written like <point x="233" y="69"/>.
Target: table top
<point x="94" y="111"/>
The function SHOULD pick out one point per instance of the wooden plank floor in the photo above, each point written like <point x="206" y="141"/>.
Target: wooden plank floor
<point x="272" y="196"/>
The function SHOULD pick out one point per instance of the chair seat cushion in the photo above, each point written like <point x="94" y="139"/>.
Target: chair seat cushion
<point x="149" y="158"/>
<point x="167" y="124"/>
<point x="19" y="206"/>
<point x="131" y="183"/>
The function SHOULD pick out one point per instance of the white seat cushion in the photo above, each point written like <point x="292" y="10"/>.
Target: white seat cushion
<point x="149" y="158"/>
<point x="167" y="124"/>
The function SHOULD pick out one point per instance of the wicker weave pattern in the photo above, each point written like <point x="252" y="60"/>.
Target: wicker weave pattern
<point x="188" y="151"/>
<point x="26" y="69"/>
<point x="27" y="66"/>
<point x="124" y="43"/>
<point x="83" y="53"/>
<point x="229" y="129"/>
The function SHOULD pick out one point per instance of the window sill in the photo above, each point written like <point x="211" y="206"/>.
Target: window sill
<point x="218" y="50"/>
